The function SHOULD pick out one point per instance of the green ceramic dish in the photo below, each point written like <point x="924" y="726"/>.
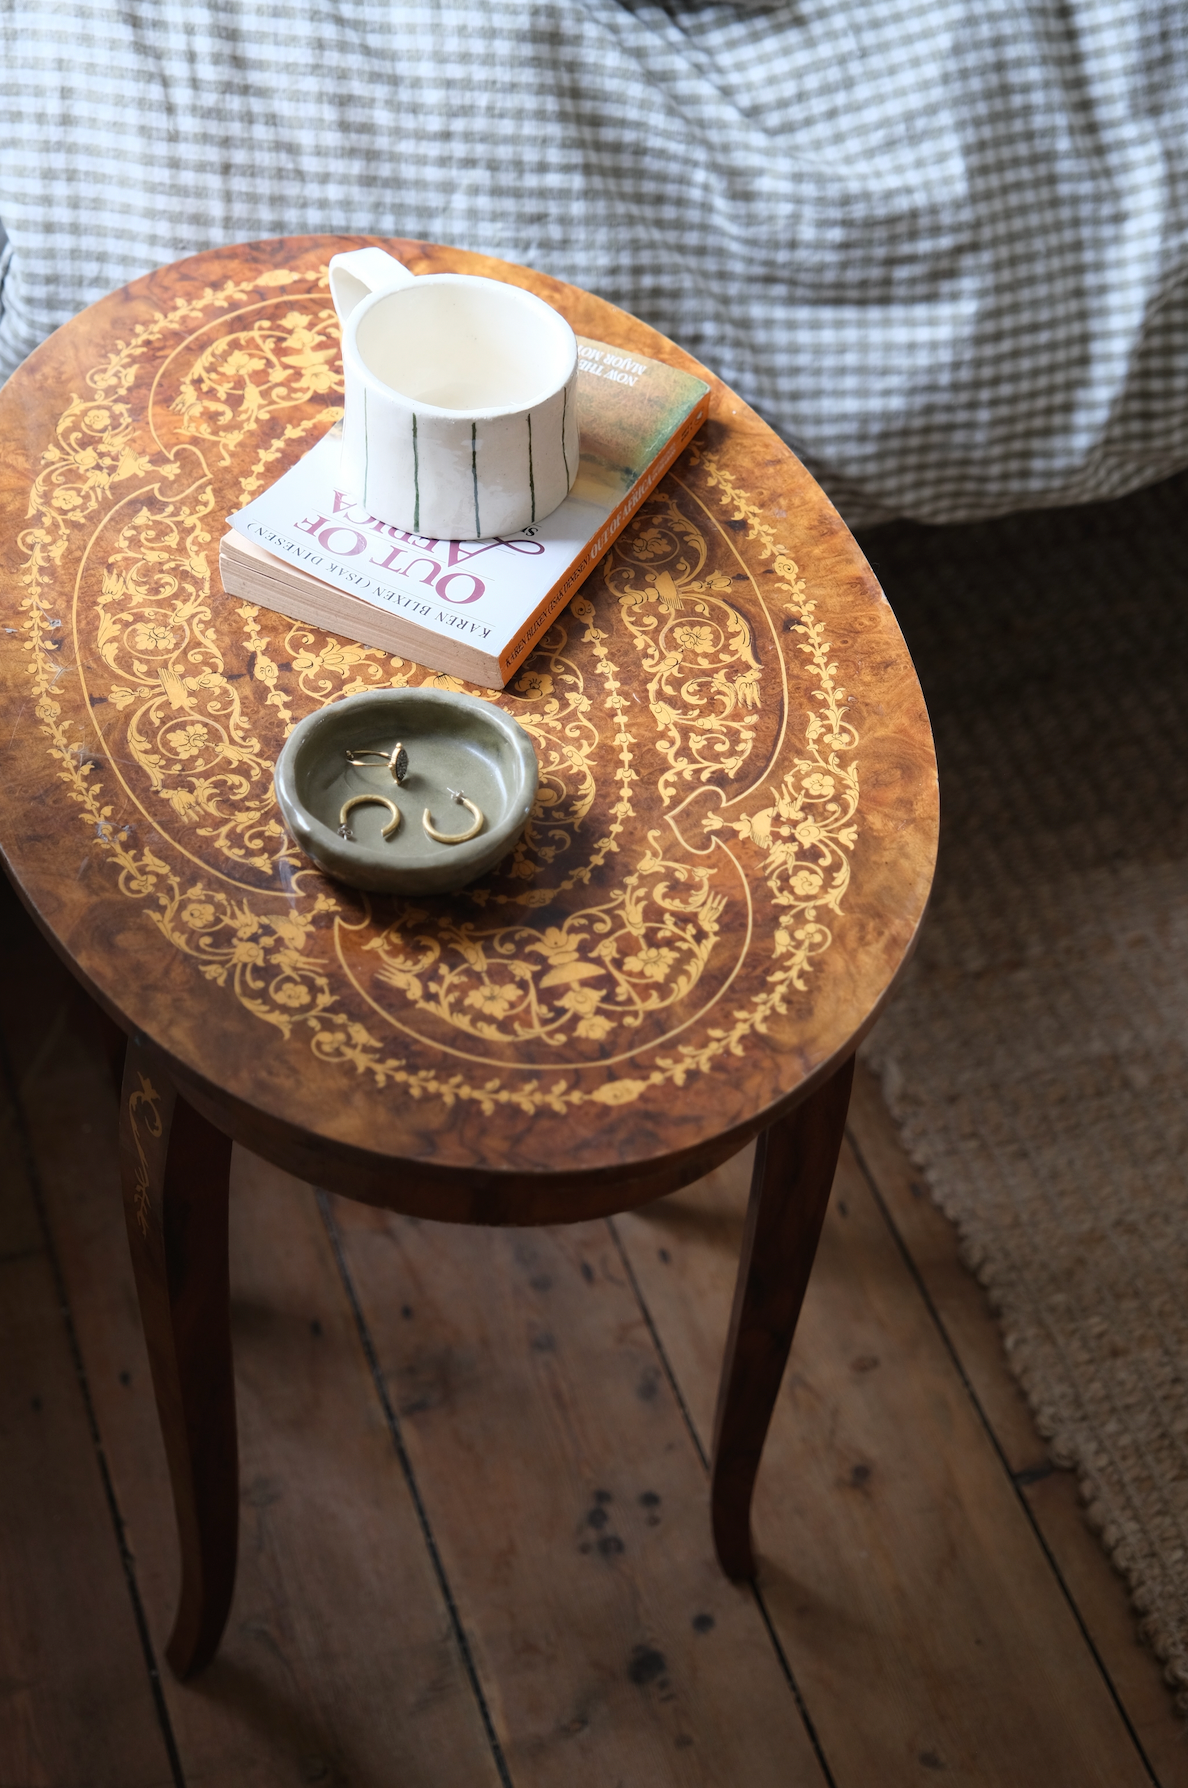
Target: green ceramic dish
<point x="453" y="742"/>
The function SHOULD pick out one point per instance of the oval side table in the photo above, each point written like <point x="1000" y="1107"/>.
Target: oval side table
<point x="728" y="862"/>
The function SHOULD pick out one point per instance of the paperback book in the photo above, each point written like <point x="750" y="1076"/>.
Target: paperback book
<point x="471" y="608"/>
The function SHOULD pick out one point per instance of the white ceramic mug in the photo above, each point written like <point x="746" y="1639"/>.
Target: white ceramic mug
<point x="461" y="399"/>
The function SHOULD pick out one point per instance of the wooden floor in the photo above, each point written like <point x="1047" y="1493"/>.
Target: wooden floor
<point x="475" y="1542"/>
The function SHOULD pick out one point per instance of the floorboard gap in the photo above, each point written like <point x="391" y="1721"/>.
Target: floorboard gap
<point x="393" y="1422"/>
<point x="1017" y="1480"/>
<point x="793" y="1685"/>
<point x="781" y="1655"/>
<point x="665" y="1362"/>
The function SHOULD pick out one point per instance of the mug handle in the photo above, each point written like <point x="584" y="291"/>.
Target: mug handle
<point x="355" y="275"/>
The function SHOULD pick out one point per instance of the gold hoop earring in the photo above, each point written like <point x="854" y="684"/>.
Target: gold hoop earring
<point x="455" y="837"/>
<point x="396" y="759"/>
<point x="344" y="831"/>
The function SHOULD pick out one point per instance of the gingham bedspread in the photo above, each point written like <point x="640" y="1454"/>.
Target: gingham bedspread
<point x="942" y="245"/>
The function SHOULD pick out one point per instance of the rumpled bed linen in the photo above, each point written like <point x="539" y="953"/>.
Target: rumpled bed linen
<point x="942" y="247"/>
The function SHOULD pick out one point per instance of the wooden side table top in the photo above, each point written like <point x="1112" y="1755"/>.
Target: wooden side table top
<point x="738" y="814"/>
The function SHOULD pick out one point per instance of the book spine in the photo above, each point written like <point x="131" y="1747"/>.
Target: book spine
<point x="567" y="586"/>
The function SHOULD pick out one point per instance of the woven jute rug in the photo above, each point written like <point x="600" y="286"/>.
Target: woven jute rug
<point x="1037" y="1056"/>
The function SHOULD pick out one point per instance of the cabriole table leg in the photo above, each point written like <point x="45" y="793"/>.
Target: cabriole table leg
<point x="795" y="1161"/>
<point x="175" y="1169"/>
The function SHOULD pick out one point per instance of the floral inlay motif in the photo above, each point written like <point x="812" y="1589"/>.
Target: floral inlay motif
<point x="587" y="937"/>
<point x="695" y="648"/>
<point x="603" y="969"/>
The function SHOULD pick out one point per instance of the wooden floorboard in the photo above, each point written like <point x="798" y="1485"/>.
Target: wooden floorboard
<point x="571" y="1508"/>
<point x="76" y="1698"/>
<point x="339" y="1663"/>
<point x="895" y="1553"/>
<point x="963" y="1311"/>
<point x="547" y="1570"/>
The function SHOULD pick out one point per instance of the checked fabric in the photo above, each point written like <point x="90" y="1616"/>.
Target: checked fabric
<point x="941" y="245"/>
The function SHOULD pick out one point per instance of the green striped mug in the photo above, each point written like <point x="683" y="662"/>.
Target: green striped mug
<point x="461" y="399"/>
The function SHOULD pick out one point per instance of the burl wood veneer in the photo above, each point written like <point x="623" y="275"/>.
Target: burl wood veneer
<point x="729" y="860"/>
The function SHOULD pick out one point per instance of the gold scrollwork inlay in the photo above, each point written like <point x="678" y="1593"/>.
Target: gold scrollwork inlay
<point x="243" y="378"/>
<point x="808" y="828"/>
<point x="601" y="971"/>
<point x="254" y="917"/>
<point x="696" y="650"/>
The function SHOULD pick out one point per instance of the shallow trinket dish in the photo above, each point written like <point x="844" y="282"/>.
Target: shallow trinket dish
<point x="455" y="745"/>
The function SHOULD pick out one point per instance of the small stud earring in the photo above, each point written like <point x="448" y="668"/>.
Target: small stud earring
<point x="344" y="830"/>
<point x="455" y="837"/>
